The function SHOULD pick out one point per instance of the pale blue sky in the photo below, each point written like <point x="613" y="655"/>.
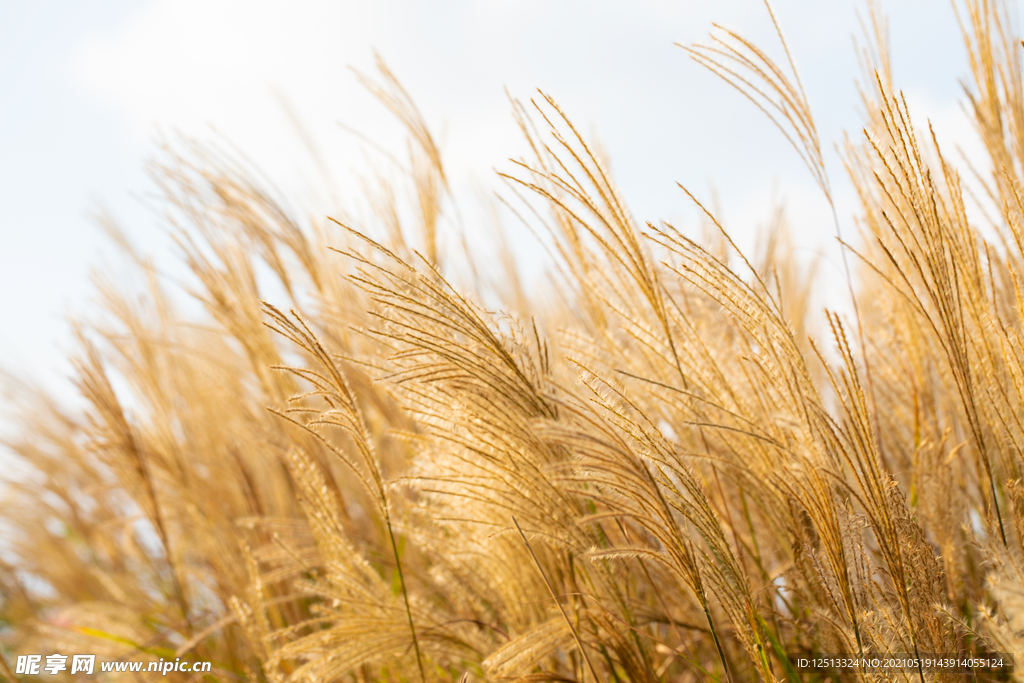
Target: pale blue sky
<point x="85" y="86"/>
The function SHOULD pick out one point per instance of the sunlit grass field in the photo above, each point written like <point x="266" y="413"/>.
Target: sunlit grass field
<point x="664" y="465"/>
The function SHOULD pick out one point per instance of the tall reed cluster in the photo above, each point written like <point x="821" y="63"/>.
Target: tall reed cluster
<point x="664" y="466"/>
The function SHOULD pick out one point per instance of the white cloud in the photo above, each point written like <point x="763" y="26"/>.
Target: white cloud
<point x="183" y="64"/>
<point x="186" y="65"/>
<point x="190" y="61"/>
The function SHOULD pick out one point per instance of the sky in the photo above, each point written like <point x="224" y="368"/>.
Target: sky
<point x="88" y="90"/>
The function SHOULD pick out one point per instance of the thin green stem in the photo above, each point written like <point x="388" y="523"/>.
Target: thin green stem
<point x="405" y="595"/>
<point x="561" y="609"/>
